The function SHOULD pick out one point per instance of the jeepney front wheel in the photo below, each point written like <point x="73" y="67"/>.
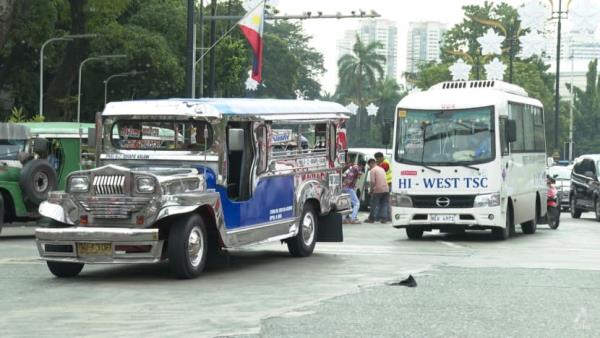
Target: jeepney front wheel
<point x="188" y="246"/>
<point x="303" y="244"/>
<point x="63" y="269"/>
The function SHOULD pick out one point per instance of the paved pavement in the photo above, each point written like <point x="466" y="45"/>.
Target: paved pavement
<point x="544" y="284"/>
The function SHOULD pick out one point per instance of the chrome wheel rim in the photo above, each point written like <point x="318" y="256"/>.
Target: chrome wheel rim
<point x="195" y="246"/>
<point x="40" y="181"/>
<point x="307" y="230"/>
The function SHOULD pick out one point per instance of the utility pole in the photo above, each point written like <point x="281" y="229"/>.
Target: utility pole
<point x="213" y="37"/>
<point x="191" y="51"/>
<point x="305" y="16"/>
<point x="557" y="15"/>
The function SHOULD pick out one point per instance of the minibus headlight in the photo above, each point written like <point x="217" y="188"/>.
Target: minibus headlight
<point x="487" y="200"/>
<point x="79" y="184"/>
<point x="400" y="200"/>
<point x="144" y="185"/>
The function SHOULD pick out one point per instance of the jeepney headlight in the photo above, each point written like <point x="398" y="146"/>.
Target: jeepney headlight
<point x="400" y="200"/>
<point x="181" y="186"/>
<point x="487" y="200"/>
<point x="144" y="185"/>
<point x="79" y="184"/>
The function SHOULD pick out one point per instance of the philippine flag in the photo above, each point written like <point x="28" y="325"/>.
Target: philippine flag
<point x="252" y="27"/>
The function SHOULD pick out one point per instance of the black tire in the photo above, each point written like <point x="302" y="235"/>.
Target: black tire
<point x="2" y="212"/>
<point x="502" y="234"/>
<point x="414" y="233"/>
<point x="303" y="244"/>
<point x="188" y="246"/>
<point x="553" y="217"/>
<point x="37" y="179"/>
<point x="597" y="208"/>
<point x="63" y="269"/>
<point x="575" y="213"/>
<point x="531" y="226"/>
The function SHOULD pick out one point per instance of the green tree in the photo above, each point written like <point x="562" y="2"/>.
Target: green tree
<point x="587" y="113"/>
<point x="360" y="70"/>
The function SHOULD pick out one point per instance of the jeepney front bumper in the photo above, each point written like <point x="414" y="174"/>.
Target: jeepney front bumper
<point x="99" y="245"/>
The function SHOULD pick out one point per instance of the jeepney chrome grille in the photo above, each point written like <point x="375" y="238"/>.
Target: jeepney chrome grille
<point x="108" y="208"/>
<point x="109" y="184"/>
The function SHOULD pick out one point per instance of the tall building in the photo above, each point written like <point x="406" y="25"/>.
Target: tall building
<point x="423" y="43"/>
<point x="384" y="31"/>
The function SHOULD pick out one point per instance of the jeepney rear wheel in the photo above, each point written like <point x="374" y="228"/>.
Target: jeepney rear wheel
<point x="188" y="246"/>
<point x="303" y="244"/>
<point x="63" y="269"/>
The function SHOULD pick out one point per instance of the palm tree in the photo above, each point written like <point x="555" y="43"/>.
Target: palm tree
<point x="359" y="70"/>
<point x="387" y="95"/>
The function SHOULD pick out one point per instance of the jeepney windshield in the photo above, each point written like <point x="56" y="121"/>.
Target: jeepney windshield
<point x="445" y="137"/>
<point x="162" y="135"/>
<point x="9" y="149"/>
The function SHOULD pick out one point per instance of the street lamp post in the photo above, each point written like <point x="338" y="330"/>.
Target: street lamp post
<point x="61" y="38"/>
<point x="93" y="58"/>
<point x="560" y="14"/>
<point x="131" y="73"/>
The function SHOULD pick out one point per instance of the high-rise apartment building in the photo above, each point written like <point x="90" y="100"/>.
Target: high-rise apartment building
<point x="423" y="43"/>
<point x="381" y="30"/>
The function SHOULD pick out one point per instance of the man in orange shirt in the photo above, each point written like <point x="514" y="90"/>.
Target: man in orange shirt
<point x="380" y="193"/>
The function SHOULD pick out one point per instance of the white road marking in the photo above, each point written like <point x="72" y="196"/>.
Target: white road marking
<point x="452" y="245"/>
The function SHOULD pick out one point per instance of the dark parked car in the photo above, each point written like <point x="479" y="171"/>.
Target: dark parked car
<point x="562" y="175"/>
<point x="585" y="186"/>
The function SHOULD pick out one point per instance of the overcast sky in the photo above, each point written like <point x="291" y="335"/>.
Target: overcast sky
<point x="325" y="32"/>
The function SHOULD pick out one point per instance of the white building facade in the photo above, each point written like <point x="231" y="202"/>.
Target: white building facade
<point x="423" y="45"/>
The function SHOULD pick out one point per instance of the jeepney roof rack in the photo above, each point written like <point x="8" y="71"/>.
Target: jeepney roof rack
<point x="476" y="84"/>
<point x="216" y="107"/>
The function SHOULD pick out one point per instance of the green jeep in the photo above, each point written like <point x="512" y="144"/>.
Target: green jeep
<point x="36" y="158"/>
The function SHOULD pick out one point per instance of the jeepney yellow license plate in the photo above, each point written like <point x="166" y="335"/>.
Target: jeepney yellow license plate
<point x="94" y="249"/>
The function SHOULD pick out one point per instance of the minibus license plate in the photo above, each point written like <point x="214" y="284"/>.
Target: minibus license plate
<point x="442" y="218"/>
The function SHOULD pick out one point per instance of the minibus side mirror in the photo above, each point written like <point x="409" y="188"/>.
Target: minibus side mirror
<point x="590" y="174"/>
<point x="91" y="137"/>
<point x="386" y="131"/>
<point x="511" y="131"/>
<point x="235" y="139"/>
<point x="40" y="146"/>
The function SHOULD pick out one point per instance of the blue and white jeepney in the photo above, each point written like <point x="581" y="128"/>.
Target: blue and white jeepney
<point x="183" y="179"/>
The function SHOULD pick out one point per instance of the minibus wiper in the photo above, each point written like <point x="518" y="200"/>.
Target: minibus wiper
<point x="421" y="164"/>
<point x="469" y="166"/>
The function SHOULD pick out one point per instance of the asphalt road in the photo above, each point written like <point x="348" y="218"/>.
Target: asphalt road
<point x="546" y="285"/>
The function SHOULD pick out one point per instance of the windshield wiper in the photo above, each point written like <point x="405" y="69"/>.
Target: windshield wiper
<point x="469" y="166"/>
<point x="421" y="164"/>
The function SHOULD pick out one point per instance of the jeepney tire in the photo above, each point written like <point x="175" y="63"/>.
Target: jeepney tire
<point x="37" y="179"/>
<point x="2" y="212"/>
<point x="575" y="213"/>
<point x="597" y="208"/>
<point x="414" y="233"/>
<point x="188" y="239"/>
<point x="303" y="244"/>
<point x="64" y="269"/>
<point x="502" y="234"/>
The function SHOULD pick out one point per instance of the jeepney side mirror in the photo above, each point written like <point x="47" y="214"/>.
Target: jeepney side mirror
<point x="386" y="133"/>
<point x="511" y="131"/>
<point x="550" y="161"/>
<point x="91" y="137"/>
<point x="235" y="139"/>
<point x="40" y="146"/>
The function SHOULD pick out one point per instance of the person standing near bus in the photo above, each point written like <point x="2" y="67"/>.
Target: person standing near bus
<point x="380" y="194"/>
<point x="385" y="165"/>
<point x="348" y="186"/>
